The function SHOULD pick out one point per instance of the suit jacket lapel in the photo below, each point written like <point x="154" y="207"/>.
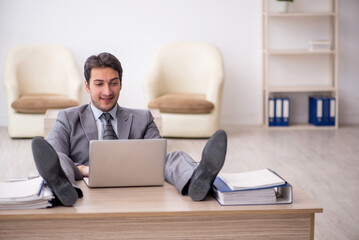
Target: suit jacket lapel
<point x="88" y="123"/>
<point x="124" y="123"/>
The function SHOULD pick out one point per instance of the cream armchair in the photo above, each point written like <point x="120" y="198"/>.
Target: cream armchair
<point x="40" y="77"/>
<point x="185" y="83"/>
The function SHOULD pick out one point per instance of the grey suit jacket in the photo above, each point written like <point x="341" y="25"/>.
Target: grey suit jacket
<point x="75" y="128"/>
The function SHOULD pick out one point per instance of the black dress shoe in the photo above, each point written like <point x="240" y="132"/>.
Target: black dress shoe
<point x="213" y="156"/>
<point x="48" y="164"/>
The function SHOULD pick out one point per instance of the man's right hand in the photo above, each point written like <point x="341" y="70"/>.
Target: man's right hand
<point x="84" y="170"/>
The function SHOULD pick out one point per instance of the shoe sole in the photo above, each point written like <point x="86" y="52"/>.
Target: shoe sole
<point x="48" y="165"/>
<point x="208" y="170"/>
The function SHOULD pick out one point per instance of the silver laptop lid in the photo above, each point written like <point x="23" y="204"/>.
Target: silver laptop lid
<point x="122" y="163"/>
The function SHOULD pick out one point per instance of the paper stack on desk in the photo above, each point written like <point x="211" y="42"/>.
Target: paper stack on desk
<point x="25" y="194"/>
<point x="254" y="187"/>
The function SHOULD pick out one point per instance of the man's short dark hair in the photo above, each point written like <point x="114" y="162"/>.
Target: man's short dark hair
<point x="101" y="61"/>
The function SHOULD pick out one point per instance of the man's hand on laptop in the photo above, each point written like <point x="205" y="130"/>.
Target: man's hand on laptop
<point x="84" y="170"/>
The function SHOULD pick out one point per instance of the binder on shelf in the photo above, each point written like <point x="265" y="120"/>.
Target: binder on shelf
<point x="311" y="108"/>
<point x="253" y="194"/>
<point x="285" y="107"/>
<point x="278" y="112"/>
<point x="322" y="111"/>
<point x="332" y="111"/>
<point x="326" y="111"/>
<point x="316" y="111"/>
<point x="271" y="111"/>
<point x="319" y="111"/>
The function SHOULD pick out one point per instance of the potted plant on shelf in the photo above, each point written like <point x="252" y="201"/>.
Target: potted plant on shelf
<point x="283" y="5"/>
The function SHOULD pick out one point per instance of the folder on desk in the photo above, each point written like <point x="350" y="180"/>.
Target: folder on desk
<point x="280" y="193"/>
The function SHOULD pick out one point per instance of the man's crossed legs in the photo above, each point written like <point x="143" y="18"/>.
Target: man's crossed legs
<point x="198" y="186"/>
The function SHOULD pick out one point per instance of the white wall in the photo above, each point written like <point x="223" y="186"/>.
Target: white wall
<point x="349" y="61"/>
<point x="133" y="29"/>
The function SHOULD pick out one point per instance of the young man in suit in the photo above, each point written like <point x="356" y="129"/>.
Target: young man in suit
<point x="64" y="157"/>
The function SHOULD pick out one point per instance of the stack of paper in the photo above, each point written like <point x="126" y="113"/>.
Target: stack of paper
<point x="260" y="196"/>
<point x="253" y="179"/>
<point x="26" y="194"/>
<point x="319" y="45"/>
<point x="255" y="187"/>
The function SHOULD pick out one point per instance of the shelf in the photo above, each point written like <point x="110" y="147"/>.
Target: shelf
<point x="298" y="89"/>
<point x="297" y="52"/>
<point x="302" y="126"/>
<point x="290" y="67"/>
<point x="300" y="14"/>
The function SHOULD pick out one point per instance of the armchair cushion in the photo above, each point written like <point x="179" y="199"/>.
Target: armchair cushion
<point x="40" y="103"/>
<point x="190" y="103"/>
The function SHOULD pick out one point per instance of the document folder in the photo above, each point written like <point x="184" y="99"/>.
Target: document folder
<point x="322" y="111"/>
<point x="271" y="112"/>
<point x="278" y="112"/>
<point x="285" y="103"/>
<point x="332" y="111"/>
<point x="281" y="194"/>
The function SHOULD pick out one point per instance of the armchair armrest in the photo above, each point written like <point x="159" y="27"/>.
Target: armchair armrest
<point x="74" y="85"/>
<point x="215" y="87"/>
<point x="10" y="82"/>
<point x="152" y="83"/>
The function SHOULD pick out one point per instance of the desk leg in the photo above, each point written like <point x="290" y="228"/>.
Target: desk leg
<point x="312" y="226"/>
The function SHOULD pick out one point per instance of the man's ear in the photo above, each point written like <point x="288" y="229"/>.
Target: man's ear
<point x="87" y="87"/>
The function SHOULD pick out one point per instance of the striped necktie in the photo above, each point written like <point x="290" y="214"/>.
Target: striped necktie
<point x="109" y="133"/>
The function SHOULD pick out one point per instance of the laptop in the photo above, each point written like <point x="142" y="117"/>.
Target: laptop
<point x="127" y="163"/>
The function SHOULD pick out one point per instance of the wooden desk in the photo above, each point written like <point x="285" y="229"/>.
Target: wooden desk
<point x="160" y="213"/>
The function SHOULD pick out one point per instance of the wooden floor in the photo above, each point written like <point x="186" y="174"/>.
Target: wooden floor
<point x="325" y="163"/>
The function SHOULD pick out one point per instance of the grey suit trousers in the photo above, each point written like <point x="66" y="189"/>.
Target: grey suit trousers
<point x="179" y="167"/>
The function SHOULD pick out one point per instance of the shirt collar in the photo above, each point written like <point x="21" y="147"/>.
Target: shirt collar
<point x="97" y="112"/>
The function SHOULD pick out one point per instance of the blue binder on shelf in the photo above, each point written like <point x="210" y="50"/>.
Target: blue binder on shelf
<point x="326" y="111"/>
<point x="227" y="197"/>
<point x="271" y="112"/>
<point x="285" y="111"/>
<point x="278" y="112"/>
<point x="316" y="111"/>
<point x="322" y="111"/>
<point x="332" y="111"/>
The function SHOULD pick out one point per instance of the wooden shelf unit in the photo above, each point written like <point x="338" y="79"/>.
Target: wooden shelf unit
<point x="298" y="89"/>
<point x="297" y="52"/>
<point x="272" y="86"/>
<point x="300" y="14"/>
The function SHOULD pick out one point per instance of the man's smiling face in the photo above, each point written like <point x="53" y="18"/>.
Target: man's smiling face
<point x="104" y="88"/>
